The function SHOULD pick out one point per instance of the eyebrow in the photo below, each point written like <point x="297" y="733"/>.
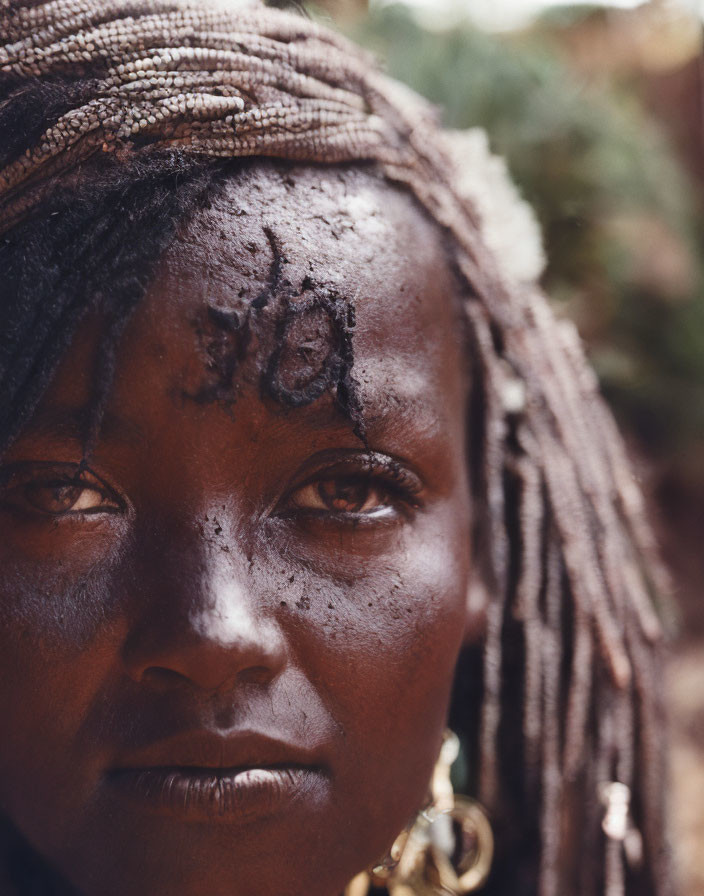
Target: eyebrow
<point x="379" y="404"/>
<point x="384" y="403"/>
<point x="72" y="423"/>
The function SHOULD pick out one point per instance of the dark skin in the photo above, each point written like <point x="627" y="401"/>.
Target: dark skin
<point x="237" y="584"/>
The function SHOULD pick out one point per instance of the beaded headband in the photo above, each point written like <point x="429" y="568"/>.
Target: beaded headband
<point x="222" y="83"/>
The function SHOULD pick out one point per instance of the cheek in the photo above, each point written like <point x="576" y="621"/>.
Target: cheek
<point x="45" y="702"/>
<point x="397" y="598"/>
<point x="58" y="637"/>
<point x="382" y="651"/>
<point x="57" y="588"/>
<point x="52" y="615"/>
<point x="402" y="634"/>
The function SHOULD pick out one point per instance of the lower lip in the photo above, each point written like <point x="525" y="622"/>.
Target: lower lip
<point x="213" y="794"/>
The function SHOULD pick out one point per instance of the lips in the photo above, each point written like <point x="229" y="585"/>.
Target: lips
<point x="205" y="776"/>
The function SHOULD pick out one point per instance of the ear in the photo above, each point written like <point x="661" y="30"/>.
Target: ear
<point x="476" y="606"/>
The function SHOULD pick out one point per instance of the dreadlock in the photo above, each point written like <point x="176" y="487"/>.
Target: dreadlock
<point x="115" y="119"/>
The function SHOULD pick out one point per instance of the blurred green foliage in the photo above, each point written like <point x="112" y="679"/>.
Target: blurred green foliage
<point x="620" y="218"/>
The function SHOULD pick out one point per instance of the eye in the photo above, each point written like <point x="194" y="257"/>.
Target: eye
<point x="57" y="491"/>
<point x="371" y="486"/>
<point x="348" y="494"/>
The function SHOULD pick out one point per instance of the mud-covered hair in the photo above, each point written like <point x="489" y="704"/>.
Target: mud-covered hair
<point x="118" y="118"/>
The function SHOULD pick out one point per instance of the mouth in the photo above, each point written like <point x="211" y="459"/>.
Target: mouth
<point x="205" y="776"/>
<point x="223" y="793"/>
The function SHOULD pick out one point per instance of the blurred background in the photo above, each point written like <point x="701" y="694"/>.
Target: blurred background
<point x="599" y="110"/>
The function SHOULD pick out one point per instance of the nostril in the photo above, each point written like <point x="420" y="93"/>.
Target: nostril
<point x="254" y="675"/>
<point x="209" y="638"/>
<point x="160" y="677"/>
<point x="216" y="679"/>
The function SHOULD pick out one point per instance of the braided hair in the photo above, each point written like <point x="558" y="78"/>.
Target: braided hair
<point x="118" y="118"/>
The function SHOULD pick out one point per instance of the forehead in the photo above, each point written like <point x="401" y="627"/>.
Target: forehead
<point x="340" y="231"/>
<point x="280" y="233"/>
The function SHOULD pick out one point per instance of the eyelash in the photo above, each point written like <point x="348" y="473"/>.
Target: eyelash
<point x="401" y="487"/>
<point x="21" y="479"/>
<point x="398" y="488"/>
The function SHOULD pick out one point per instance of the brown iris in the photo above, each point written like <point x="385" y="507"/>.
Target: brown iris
<point x="57" y="496"/>
<point x="57" y="491"/>
<point x="349" y="495"/>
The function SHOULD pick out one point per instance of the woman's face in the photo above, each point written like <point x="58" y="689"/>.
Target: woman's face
<point x="227" y="648"/>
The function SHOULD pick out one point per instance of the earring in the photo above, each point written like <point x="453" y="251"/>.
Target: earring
<point x="449" y="849"/>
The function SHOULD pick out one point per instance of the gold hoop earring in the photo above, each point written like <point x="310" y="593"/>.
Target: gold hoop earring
<point x="448" y="850"/>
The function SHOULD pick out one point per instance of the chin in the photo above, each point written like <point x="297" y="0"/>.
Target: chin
<point x="160" y="856"/>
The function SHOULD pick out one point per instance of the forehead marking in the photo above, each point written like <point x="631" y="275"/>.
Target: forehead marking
<point x="224" y="335"/>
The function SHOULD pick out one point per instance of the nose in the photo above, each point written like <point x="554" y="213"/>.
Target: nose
<point x="208" y="630"/>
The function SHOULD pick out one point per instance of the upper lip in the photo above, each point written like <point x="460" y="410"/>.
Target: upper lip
<point x="204" y="749"/>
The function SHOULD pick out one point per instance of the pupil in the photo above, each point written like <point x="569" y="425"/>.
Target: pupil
<point x="343" y="494"/>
